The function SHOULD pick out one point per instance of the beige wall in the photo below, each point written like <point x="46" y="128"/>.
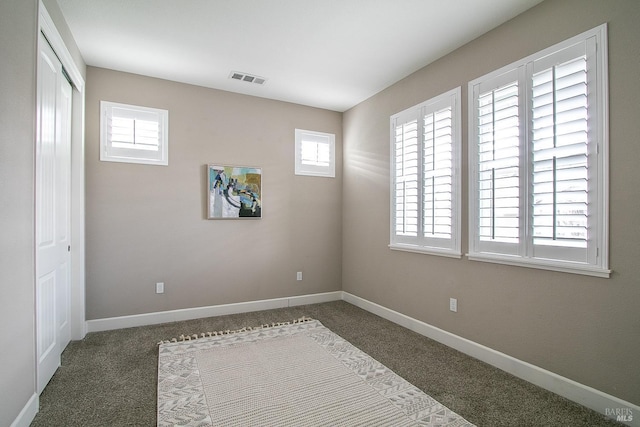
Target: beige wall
<point x="147" y="224"/>
<point x="584" y="328"/>
<point x="17" y="119"/>
<point x="18" y="39"/>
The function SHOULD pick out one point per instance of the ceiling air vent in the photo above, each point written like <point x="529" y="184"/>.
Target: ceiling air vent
<point x="249" y="78"/>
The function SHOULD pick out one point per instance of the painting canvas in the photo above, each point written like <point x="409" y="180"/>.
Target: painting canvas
<point x="234" y="192"/>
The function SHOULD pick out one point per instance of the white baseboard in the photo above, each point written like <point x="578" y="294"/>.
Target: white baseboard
<point x="121" y="322"/>
<point x="572" y="390"/>
<point x="28" y="413"/>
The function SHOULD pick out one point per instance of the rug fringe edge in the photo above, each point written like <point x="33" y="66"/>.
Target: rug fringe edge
<point x="194" y="337"/>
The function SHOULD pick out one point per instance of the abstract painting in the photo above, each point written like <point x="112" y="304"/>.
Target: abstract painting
<point x="234" y="192"/>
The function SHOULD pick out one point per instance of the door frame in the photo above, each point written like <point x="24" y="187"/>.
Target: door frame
<point x="48" y="28"/>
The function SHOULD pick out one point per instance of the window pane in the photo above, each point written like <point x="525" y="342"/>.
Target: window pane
<point x="407" y="194"/>
<point x="437" y="172"/>
<point x="560" y="155"/>
<point x="315" y="153"/>
<point x="498" y="161"/>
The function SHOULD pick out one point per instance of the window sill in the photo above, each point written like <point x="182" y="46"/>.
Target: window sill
<point x="563" y="267"/>
<point x="316" y="174"/>
<point x="425" y="250"/>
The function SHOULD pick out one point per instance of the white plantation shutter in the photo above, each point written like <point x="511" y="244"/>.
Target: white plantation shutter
<point x="496" y="157"/>
<point x="499" y="164"/>
<point x="539" y="145"/>
<point x="315" y="154"/>
<point x="133" y="134"/>
<point x="560" y="150"/>
<point x="425" y="146"/>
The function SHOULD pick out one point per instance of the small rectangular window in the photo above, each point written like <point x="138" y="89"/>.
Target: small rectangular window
<point x="315" y="153"/>
<point x="133" y="134"/>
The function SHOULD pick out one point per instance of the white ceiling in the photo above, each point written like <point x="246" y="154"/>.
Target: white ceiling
<point x="330" y="54"/>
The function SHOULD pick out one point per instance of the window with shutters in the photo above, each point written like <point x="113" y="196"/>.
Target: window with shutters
<point x="538" y="155"/>
<point x="315" y="153"/>
<point x="133" y="134"/>
<point x="425" y="177"/>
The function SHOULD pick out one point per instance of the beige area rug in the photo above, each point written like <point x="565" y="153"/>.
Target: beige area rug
<point x="287" y="374"/>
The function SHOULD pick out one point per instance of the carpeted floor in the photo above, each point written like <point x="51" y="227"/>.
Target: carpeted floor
<point x="110" y="378"/>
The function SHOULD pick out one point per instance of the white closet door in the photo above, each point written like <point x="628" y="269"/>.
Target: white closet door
<point x="52" y="213"/>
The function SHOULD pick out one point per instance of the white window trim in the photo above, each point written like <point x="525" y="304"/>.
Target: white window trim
<point x="108" y="153"/>
<point x="452" y="249"/>
<point x="599" y="268"/>
<point x="320" y="138"/>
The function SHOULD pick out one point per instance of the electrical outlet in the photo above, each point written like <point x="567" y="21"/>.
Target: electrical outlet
<point x="299" y="275"/>
<point x="453" y="304"/>
<point x="160" y="288"/>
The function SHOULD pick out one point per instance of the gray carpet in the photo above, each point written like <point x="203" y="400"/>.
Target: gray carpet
<point x="110" y="378"/>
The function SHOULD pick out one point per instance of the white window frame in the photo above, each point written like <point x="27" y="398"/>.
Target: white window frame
<point x="525" y="253"/>
<point x="113" y="153"/>
<point x="422" y="242"/>
<point x="320" y="140"/>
